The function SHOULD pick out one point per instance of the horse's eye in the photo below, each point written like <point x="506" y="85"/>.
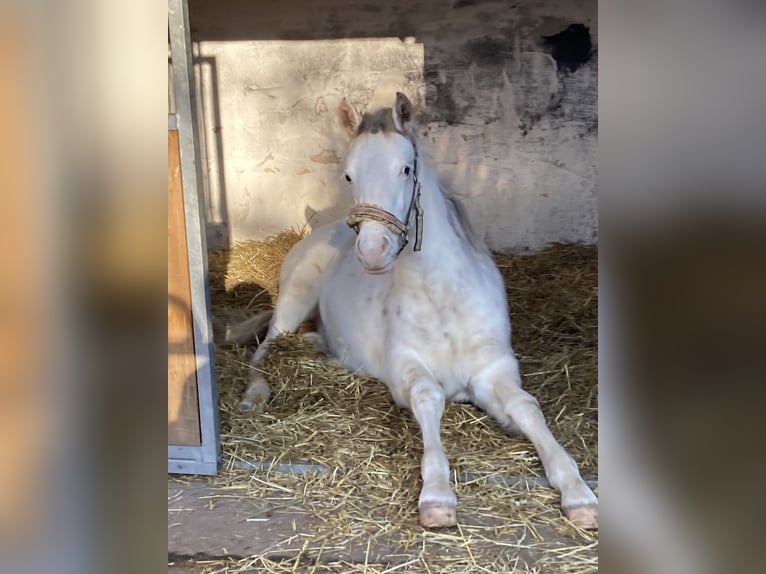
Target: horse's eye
<point x="406" y="170"/>
<point x="348" y="178"/>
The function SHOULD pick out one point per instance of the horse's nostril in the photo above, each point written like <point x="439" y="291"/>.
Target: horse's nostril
<point x="385" y="244"/>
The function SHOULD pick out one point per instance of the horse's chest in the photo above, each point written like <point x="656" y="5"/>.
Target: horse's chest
<point x="430" y="312"/>
<point x="441" y="319"/>
<point x="441" y="323"/>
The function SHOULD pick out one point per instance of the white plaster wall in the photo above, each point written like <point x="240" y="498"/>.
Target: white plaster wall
<point x="509" y="129"/>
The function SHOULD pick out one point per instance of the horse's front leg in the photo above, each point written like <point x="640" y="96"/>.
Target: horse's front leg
<point x="497" y="390"/>
<point x="437" y="502"/>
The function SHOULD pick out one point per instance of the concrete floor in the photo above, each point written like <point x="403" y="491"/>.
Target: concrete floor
<point x="207" y="520"/>
<point x="210" y="522"/>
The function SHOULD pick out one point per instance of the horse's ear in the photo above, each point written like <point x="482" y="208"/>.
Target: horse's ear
<point x="349" y="117"/>
<point x="404" y="117"/>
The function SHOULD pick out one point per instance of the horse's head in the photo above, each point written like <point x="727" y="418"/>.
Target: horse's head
<point x="381" y="166"/>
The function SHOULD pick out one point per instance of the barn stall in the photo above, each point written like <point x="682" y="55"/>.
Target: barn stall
<point x="506" y="98"/>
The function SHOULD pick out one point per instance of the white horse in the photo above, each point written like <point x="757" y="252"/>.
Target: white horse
<point x="429" y="320"/>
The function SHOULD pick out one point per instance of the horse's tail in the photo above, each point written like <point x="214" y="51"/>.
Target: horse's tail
<point x="245" y="331"/>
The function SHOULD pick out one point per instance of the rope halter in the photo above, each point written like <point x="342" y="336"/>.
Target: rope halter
<point x="362" y="212"/>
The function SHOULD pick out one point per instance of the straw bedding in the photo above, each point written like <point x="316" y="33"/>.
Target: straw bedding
<point x="365" y="501"/>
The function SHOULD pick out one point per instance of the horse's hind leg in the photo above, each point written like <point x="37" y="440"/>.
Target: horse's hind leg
<point x="300" y="281"/>
<point x="290" y="312"/>
<point x="497" y="390"/>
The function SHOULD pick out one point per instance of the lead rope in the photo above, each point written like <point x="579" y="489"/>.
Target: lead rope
<point x="415" y="203"/>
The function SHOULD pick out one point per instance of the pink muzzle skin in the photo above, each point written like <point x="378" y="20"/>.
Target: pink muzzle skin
<point x="374" y="248"/>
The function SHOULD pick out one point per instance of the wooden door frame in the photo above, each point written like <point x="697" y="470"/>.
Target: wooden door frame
<point x="201" y="459"/>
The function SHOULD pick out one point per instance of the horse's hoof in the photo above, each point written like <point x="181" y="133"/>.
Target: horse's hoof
<point x="585" y="517"/>
<point x="437" y="516"/>
<point x="245" y="406"/>
<point x="255" y="397"/>
<point x="250" y="407"/>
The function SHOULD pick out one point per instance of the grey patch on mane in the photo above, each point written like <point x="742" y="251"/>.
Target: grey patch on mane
<point x="380" y="120"/>
<point x="458" y="219"/>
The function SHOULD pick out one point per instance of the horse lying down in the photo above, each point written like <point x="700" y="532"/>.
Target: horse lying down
<point x="403" y="290"/>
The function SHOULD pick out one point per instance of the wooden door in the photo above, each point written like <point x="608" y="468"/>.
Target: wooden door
<point x="183" y="401"/>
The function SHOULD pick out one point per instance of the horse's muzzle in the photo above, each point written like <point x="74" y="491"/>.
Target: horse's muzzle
<point x="376" y="247"/>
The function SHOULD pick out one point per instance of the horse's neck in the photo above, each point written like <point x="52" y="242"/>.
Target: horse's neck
<point x="441" y="240"/>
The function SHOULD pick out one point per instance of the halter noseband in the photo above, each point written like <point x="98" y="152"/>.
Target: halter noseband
<point x="368" y="212"/>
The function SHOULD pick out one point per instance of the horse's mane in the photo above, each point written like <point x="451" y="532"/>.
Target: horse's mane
<point x="459" y="216"/>
<point x="380" y="120"/>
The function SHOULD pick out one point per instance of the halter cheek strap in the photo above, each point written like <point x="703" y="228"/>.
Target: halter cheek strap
<point x="367" y="212"/>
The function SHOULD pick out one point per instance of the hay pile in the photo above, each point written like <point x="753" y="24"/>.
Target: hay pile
<point x="347" y="424"/>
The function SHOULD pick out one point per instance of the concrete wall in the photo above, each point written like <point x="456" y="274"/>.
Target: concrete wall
<point x="506" y="93"/>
